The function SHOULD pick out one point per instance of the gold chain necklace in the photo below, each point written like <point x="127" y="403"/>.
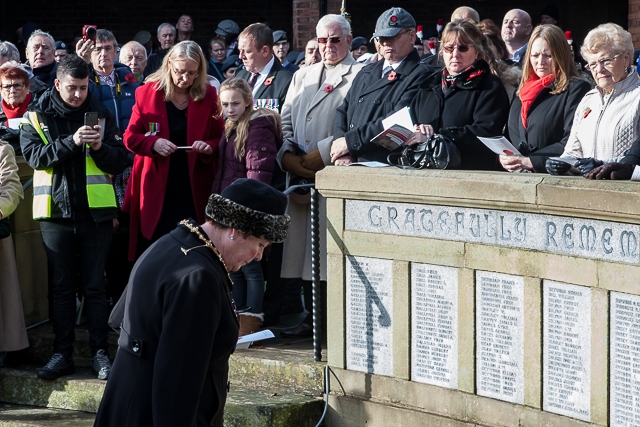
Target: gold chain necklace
<point x="208" y="243"/>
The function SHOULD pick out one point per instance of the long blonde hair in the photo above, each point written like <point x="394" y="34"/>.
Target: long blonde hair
<point x="241" y="126"/>
<point x="181" y="52"/>
<point x="563" y="66"/>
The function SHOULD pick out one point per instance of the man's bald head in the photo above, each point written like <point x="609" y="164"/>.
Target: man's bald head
<point x="465" y="13"/>
<point x="516" y="28"/>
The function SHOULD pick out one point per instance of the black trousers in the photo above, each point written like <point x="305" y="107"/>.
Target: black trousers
<point x="77" y="247"/>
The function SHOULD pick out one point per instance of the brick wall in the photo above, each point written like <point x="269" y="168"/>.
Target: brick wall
<point x="634" y="21"/>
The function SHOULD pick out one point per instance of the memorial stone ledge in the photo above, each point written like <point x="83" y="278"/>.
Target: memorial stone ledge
<point x="520" y="293"/>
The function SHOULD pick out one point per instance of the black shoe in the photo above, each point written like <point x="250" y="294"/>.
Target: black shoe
<point x="101" y="365"/>
<point x="302" y="330"/>
<point x="58" y="366"/>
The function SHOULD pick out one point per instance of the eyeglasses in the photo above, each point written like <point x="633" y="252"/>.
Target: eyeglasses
<point x="190" y="74"/>
<point x="461" y="48"/>
<point x="16" y="86"/>
<point x="333" y="40"/>
<point x="604" y="63"/>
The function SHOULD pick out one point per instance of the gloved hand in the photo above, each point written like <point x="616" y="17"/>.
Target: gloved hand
<point x="292" y="163"/>
<point x="587" y="164"/>
<point x="556" y="167"/>
<point x="313" y="160"/>
<point x="622" y="171"/>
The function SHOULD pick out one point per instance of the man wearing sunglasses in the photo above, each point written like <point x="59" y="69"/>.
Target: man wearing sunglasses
<point x="379" y="90"/>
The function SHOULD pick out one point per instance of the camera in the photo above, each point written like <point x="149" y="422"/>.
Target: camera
<point x="89" y="32"/>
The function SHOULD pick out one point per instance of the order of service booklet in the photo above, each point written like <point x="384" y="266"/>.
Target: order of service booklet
<point x="500" y="145"/>
<point x="398" y="127"/>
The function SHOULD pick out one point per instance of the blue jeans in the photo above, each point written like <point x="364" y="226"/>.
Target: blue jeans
<point x="248" y="287"/>
<point x="77" y="248"/>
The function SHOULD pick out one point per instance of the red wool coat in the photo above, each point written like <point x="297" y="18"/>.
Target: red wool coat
<point x="144" y="198"/>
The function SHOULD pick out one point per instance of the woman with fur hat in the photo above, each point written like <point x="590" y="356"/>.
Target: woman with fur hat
<point x="179" y="327"/>
<point x="248" y="149"/>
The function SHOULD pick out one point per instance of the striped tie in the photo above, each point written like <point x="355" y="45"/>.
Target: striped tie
<point x="253" y="79"/>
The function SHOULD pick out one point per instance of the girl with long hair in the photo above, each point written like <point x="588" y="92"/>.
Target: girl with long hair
<point x="248" y="149"/>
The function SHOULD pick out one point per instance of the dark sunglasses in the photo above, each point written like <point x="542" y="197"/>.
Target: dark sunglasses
<point x="461" y="48"/>
<point x="324" y="40"/>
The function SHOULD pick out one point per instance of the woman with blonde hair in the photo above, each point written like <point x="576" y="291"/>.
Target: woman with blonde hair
<point x="175" y="129"/>
<point x="606" y="121"/>
<point x="542" y="113"/>
<point x="248" y="149"/>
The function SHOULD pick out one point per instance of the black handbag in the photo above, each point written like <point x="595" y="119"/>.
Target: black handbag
<point x="437" y="152"/>
<point x="5" y="228"/>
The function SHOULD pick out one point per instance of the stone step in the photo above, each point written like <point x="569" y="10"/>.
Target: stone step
<point x="82" y="392"/>
<point x="283" y="366"/>
<point x="32" y="416"/>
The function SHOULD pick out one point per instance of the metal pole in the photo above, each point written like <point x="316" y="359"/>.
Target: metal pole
<point x="315" y="276"/>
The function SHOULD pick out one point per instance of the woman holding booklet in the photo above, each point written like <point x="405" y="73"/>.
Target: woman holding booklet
<point x="465" y="100"/>
<point x="542" y="112"/>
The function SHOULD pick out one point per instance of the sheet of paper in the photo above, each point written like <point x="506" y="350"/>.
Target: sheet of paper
<point x="401" y="117"/>
<point x="500" y="145"/>
<point x="370" y="164"/>
<point x="245" y="341"/>
<point x="15" y="123"/>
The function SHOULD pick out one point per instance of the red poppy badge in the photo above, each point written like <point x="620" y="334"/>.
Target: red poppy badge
<point x="392" y="76"/>
<point x="130" y="78"/>
<point x="328" y="88"/>
<point x="269" y="81"/>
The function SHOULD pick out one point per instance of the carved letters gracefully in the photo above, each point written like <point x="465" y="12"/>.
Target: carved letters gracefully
<point x="581" y="237"/>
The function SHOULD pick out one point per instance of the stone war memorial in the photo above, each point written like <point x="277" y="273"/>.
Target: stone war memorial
<point x="462" y="298"/>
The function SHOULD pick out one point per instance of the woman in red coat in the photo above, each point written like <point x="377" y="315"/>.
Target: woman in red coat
<point x="175" y="129"/>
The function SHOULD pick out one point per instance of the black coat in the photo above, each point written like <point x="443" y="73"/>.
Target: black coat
<point x="69" y="196"/>
<point x="178" y="332"/>
<point x="480" y="108"/>
<point x="371" y="99"/>
<point x="280" y="80"/>
<point x="549" y="122"/>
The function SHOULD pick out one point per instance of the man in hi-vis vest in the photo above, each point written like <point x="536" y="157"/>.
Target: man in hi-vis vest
<point x="74" y="201"/>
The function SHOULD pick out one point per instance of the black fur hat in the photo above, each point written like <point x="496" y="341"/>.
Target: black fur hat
<point x="252" y="207"/>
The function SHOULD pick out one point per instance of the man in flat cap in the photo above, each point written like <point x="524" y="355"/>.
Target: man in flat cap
<point x="379" y="90"/>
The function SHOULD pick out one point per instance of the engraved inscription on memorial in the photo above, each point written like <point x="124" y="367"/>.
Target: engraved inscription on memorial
<point x="500" y="336"/>
<point x="566" y="364"/>
<point x="369" y="307"/>
<point x="610" y="241"/>
<point x="625" y="360"/>
<point x="434" y="325"/>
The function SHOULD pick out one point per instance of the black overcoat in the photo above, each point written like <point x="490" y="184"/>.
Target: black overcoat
<point x="549" y="122"/>
<point x="277" y="88"/>
<point x="178" y="332"/>
<point x="478" y="108"/>
<point x="372" y="98"/>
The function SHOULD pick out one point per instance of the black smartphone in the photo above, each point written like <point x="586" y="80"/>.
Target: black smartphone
<point x="91" y="119"/>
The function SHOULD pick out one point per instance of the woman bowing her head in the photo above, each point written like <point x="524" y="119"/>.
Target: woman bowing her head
<point x="175" y="129"/>
<point x="465" y="100"/>
<point x="542" y="113"/>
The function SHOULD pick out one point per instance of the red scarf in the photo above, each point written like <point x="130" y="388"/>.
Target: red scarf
<point x="15" y="113"/>
<point x="530" y="90"/>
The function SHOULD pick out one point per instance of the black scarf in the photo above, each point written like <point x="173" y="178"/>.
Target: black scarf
<point x="58" y="108"/>
<point x="467" y="78"/>
<point x="42" y="73"/>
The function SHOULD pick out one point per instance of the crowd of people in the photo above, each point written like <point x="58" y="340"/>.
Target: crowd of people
<point x="128" y="141"/>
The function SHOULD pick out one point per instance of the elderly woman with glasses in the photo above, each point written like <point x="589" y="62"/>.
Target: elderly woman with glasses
<point x="606" y="121"/>
<point x="175" y="129"/>
<point x="465" y="100"/>
<point x="16" y="97"/>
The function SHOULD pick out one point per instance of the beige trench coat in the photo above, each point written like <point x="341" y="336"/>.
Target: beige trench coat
<point x="13" y="333"/>
<point x="307" y="119"/>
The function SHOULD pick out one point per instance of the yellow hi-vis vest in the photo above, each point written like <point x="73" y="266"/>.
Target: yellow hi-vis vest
<point x="100" y="193"/>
